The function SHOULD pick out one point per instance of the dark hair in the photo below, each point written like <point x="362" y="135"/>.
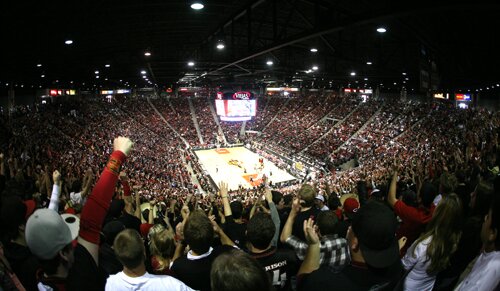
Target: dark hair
<point x="484" y="193"/>
<point x="288" y="199"/>
<point x="277" y="196"/>
<point x="235" y="270"/>
<point x="260" y="230"/>
<point x="326" y="222"/>
<point x="427" y="194"/>
<point x="198" y="232"/>
<point x="236" y="209"/>
<point x="129" y="248"/>
<point x="334" y="202"/>
<point x="409" y="197"/>
<point x="447" y="183"/>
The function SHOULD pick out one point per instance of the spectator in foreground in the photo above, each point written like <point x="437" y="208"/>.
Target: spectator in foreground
<point x="333" y="250"/>
<point x="432" y="251"/>
<point x="484" y="272"/>
<point x="307" y="210"/>
<point x="375" y="262"/>
<point x="280" y="264"/>
<point x="130" y="251"/>
<point x="235" y="270"/>
<point x="50" y="239"/>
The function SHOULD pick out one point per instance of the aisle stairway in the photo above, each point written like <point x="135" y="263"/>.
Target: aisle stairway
<point x="330" y="130"/>
<point x="195" y="121"/>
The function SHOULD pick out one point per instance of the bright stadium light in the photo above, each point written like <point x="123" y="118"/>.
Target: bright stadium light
<point x="369" y="63"/>
<point x="68" y="42"/>
<point x="39" y="65"/>
<point x="190" y="64"/>
<point x="107" y="65"/>
<point x="269" y="63"/>
<point x="143" y="72"/>
<point x="353" y="73"/>
<point x="197" y="5"/>
<point x="147" y="54"/>
<point x="381" y="30"/>
<point x="314" y="50"/>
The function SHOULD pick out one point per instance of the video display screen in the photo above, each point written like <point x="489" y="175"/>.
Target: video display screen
<point x="236" y="108"/>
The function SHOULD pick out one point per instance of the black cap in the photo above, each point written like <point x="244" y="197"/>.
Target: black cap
<point x="375" y="227"/>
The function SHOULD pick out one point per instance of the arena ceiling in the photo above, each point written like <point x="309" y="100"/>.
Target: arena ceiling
<point x="457" y="42"/>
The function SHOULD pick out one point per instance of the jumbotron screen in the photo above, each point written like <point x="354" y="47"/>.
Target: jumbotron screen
<point x="238" y="106"/>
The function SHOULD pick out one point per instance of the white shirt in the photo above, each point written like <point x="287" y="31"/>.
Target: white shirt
<point x="147" y="282"/>
<point x="485" y="274"/>
<point x="418" y="279"/>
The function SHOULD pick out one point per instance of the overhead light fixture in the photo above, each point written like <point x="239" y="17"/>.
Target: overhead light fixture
<point x="315" y="68"/>
<point x="314" y="50"/>
<point x="96" y="72"/>
<point x="353" y="73"/>
<point x="404" y="74"/>
<point x="220" y="45"/>
<point x="107" y="65"/>
<point x="381" y="30"/>
<point x="369" y="63"/>
<point x="43" y="76"/>
<point x="269" y="63"/>
<point x="147" y="54"/>
<point x="190" y="64"/>
<point x="366" y="79"/>
<point x="144" y="77"/>
<point x="197" y="5"/>
<point x="68" y="42"/>
<point x="39" y="65"/>
<point x="143" y="72"/>
<point x="97" y="77"/>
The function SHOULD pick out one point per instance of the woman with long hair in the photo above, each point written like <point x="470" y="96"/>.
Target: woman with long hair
<point x="431" y="252"/>
<point x="162" y="249"/>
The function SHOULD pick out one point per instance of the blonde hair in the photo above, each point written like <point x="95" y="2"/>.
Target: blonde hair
<point x="445" y="228"/>
<point x="162" y="246"/>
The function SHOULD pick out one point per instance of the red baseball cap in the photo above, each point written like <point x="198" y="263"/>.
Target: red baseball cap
<point x="351" y="206"/>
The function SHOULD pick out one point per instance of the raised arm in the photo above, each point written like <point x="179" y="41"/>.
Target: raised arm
<point x="287" y="229"/>
<point x="223" y="191"/>
<point x="274" y="215"/>
<point x="56" y="191"/>
<point x="94" y="211"/>
<point x="392" y="190"/>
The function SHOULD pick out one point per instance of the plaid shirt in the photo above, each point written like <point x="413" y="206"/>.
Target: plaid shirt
<point x="333" y="250"/>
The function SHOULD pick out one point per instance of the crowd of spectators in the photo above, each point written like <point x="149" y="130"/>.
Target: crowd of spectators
<point x="83" y="210"/>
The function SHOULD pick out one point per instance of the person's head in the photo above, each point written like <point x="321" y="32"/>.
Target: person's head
<point x="198" y="232"/>
<point x="351" y="206"/>
<point x="13" y="214"/>
<point x="491" y="226"/>
<point x="447" y="183"/>
<point x="162" y="245"/>
<point x="278" y="199"/>
<point x="49" y="238"/>
<point x="481" y="198"/>
<point x="372" y="235"/>
<point x="129" y="248"/>
<point x="307" y="195"/>
<point x="236" y="209"/>
<point x="326" y="222"/>
<point x="334" y="202"/>
<point x="319" y="200"/>
<point x="260" y="230"/>
<point x="427" y="194"/>
<point x="111" y="230"/>
<point x="445" y="228"/>
<point x="409" y="197"/>
<point x="235" y="270"/>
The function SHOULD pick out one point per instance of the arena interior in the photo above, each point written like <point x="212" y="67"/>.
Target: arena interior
<point x="250" y="145"/>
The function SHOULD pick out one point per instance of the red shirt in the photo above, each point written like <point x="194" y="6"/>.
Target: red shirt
<point x="413" y="222"/>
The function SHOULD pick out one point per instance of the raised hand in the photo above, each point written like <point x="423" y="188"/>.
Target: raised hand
<point x="310" y="232"/>
<point x="223" y="190"/>
<point x="123" y="144"/>
<point x="56" y="176"/>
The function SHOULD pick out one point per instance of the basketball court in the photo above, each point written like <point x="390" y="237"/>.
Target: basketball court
<point x="239" y="166"/>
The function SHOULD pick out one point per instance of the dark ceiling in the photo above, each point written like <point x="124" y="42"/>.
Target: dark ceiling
<point x="455" y="42"/>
